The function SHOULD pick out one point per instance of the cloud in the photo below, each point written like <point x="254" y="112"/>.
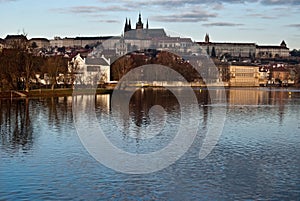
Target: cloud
<point x="182" y="3"/>
<point x="263" y="16"/>
<point x="293" y="25"/>
<point x="251" y="29"/>
<point x="218" y="6"/>
<point x="91" y="9"/>
<point x="107" y="21"/>
<point x="280" y="2"/>
<point x="196" y="15"/>
<point x="6" y="1"/>
<point x="222" y="24"/>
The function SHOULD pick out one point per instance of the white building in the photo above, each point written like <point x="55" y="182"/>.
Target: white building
<point x="176" y="44"/>
<point x="90" y="70"/>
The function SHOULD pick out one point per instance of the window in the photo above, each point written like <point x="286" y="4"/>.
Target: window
<point x="93" y="68"/>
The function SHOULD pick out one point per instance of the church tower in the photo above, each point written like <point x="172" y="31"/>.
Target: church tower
<point x="127" y="26"/>
<point x="147" y="26"/>
<point x="206" y="38"/>
<point x="283" y="44"/>
<point x="139" y="24"/>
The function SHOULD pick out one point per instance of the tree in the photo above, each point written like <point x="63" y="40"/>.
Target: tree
<point x="34" y="45"/>
<point x="7" y="67"/>
<point x="53" y="66"/>
<point x="126" y="63"/>
<point x="121" y="66"/>
<point x="73" y="71"/>
<point x="28" y="65"/>
<point x="297" y="71"/>
<point x="295" y="53"/>
<point x="18" y="65"/>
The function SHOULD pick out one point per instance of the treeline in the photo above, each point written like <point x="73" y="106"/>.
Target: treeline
<point x="295" y="53"/>
<point x="19" y="67"/>
<point x="123" y="65"/>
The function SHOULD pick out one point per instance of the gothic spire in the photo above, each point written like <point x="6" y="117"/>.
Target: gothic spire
<point x="126" y="26"/>
<point x="147" y="26"/>
<point x="129" y="25"/>
<point x="140" y="18"/>
<point x="206" y="38"/>
<point x="139" y="24"/>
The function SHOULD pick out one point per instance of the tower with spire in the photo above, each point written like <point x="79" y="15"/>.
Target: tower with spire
<point x="139" y="24"/>
<point x="206" y="38"/>
<point x="127" y="26"/>
<point x="147" y="26"/>
<point x="140" y="31"/>
<point x="283" y="44"/>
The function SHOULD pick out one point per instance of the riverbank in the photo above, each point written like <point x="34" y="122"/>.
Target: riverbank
<point x="69" y="92"/>
<point x="50" y="93"/>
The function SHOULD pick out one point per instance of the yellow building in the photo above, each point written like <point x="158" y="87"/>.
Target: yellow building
<point x="244" y="75"/>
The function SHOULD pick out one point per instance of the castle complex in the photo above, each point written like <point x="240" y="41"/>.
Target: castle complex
<point x="239" y="64"/>
<point x="250" y="50"/>
<point x="144" y="37"/>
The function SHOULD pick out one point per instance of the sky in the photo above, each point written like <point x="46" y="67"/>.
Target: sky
<point x="264" y="22"/>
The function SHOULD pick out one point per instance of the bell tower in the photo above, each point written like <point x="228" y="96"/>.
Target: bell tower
<point x="127" y="26"/>
<point x="206" y="38"/>
<point x="139" y="24"/>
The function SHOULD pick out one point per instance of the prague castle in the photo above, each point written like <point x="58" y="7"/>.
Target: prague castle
<point x="140" y="32"/>
<point x="249" y="50"/>
<point x="145" y="37"/>
<point x="139" y="24"/>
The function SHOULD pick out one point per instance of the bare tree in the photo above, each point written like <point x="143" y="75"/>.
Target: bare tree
<point x="53" y="66"/>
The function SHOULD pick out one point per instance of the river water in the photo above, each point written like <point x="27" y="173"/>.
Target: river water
<point x="257" y="156"/>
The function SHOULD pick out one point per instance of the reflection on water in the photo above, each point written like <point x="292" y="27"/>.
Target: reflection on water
<point x="259" y="97"/>
<point x="256" y="158"/>
<point x="19" y="119"/>
<point x="16" y="129"/>
<point x="143" y="100"/>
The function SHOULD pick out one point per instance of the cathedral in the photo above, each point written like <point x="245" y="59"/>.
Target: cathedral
<point x="139" y="24"/>
<point x="142" y="32"/>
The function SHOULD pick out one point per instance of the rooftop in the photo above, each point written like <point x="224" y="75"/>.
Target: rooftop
<point x="271" y="47"/>
<point x="40" y="39"/>
<point x="16" y="37"/>
<point x="225" y="43"/>
<point x="145" y="34"/>
<point x="96" y="61"/>
<point x="93" y="38"/>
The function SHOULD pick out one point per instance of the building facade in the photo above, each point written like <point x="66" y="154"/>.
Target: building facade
<point x="245" y="50"/>
<point x="15" y="41"/>
<point x="78" y="41"/>
<point x="90" y="70"/>
<point x="220" y="50"/>
<point x="39" y="42"/>
<point x="244" y="76"/>
<point x="269" y="51"/>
